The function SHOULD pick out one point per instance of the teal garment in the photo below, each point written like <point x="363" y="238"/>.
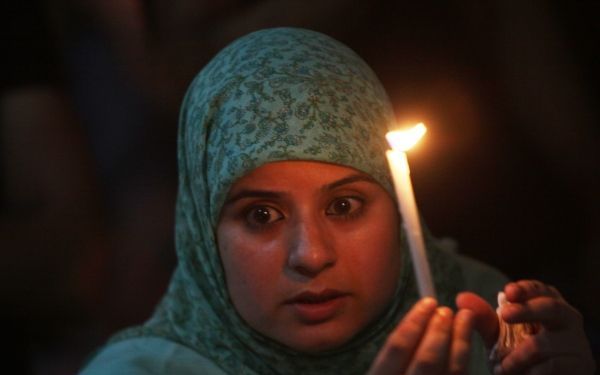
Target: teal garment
<point x="150" y="355"/>
<point x="277" y="94"/>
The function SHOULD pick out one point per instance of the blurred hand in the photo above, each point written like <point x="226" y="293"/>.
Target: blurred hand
<point x="558" y="347"/>
<point x="429" y="340"/>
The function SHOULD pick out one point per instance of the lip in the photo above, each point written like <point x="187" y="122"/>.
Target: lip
<point x="317" y="307"/>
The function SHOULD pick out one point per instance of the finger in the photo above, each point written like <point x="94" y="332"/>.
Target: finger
<point x="537" y="352"/>
<point x="526" y="355"/>
<point x="552" y="366"/>
<point x="485" y="318"/>
<point x="432" y="355"/>
<point x="461" y="342"/>
<point x="524" y="290"/>
<point x="404" y="340"/>
<point x="552" y="313"/>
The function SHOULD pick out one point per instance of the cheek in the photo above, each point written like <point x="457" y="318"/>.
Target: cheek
<point x="378" y="257"/>
<point x="380" y="263"/>
<point x="251" y="271"/>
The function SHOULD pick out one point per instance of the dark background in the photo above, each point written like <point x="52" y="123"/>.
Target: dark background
<point x="88" y="121"/>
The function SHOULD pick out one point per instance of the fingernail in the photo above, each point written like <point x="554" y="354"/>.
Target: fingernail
<point x="464" y="315"/>
<point x="428" y="302"/>
<point x="443" y="312"/>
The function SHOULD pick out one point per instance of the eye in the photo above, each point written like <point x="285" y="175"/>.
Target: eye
<point x="344" y="206"/>
<point x="263" y="215"/>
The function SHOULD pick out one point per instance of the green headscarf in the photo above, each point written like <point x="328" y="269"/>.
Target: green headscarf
<point x="277" y="94"/>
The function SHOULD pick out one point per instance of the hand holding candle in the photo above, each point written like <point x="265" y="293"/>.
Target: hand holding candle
<point x="401" y="141"/>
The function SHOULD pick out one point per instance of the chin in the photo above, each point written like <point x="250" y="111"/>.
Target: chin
<point x="316" y="339"/>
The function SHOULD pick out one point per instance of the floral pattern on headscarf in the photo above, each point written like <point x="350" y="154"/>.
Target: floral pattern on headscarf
<point x="277" y="94"/>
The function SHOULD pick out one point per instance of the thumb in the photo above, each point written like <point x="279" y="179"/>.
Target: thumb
<point x="485" y="318"/>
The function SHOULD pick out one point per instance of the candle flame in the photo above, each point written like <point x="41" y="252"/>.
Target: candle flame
<point x="403" y="140"/>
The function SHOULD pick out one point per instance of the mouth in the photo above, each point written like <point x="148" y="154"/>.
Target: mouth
<point x="317" y="307"/>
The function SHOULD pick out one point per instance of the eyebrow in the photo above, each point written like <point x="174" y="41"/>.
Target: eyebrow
<point x="348" y="180"/>
<point x="253" y="194"/>
<point x="269" y="194"/>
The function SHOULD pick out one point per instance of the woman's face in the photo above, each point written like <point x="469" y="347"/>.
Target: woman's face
<point x="310" y="251"/>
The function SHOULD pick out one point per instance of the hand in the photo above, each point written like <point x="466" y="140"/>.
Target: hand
<point x="429" y="340"/>
<point x="558" y="347"/>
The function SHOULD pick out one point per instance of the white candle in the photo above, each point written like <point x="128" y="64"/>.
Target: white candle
<point x="400" y="142"/>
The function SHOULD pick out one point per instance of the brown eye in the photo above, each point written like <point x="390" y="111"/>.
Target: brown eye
<point x="262" y="215"/>
<point x="344" y="206"/>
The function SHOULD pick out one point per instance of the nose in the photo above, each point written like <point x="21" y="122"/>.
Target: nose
<point x="310" y="249"/>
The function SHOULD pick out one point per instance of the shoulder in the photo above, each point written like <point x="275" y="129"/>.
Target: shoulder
<point x="147" y="356"/>
<point x="465" y="273"/>
<point x="481" y="278"/>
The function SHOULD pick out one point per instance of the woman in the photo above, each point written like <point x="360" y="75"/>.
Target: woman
<point x="291" y="257"/>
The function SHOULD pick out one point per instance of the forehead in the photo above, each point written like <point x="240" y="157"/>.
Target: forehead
<point x="285" y="174"/>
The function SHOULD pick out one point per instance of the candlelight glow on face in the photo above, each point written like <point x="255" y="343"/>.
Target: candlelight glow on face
<point x="402" y="140"/>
